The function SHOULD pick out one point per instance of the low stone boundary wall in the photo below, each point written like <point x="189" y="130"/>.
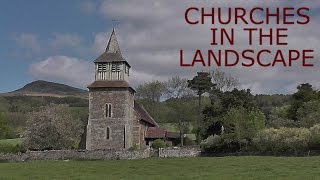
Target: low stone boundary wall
<point x="179" y="152"/>
<point x="101" y="154"/>
<point x="77" y="155"/>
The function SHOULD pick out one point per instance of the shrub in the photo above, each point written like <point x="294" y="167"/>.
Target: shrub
<point x="10" y="148"/>
<point x="282" y="140"/>
<point x="158" y="144"/>
<point x="243" y="123"/>
<point x="188" y="142"/>
<point x="134" y="147"/>
<point x="168" y="143"/>
<point x="221" y="144"/>
<point x="53" y="127"/>
<point x="315" y="137"/>
<point x="308" y="114"/>
<point x="212" y="143"/>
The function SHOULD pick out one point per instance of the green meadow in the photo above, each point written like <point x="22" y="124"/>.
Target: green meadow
<point x="168" y="168"/>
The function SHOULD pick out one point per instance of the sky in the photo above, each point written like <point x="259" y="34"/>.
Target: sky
<point x="59" y="40"/>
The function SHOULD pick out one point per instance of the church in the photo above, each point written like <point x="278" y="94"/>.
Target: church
<point x="116" y="120"/>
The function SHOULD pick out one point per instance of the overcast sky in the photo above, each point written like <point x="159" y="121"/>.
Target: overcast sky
<point x="59" y="40"/>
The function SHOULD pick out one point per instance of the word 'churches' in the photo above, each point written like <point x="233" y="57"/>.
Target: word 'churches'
<point x="116" y="120"/>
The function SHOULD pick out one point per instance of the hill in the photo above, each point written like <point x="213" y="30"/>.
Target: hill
<point x="45" y="88"/>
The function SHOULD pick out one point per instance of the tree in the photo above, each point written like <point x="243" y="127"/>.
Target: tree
<point x="151" y="93"/>
<point x="221" y="103"/>
<point x="177" y="87"/>
<point x="52" y="127"/>
<point x="308" y="114"/>
<point x="243" y="123"/>
<point x="181" y="113"/>
<point x="305" y="94"/>
<point x="178" y="95"/>
<point x="237" y="98"/>
<point x="278" y="118"/>
<point x="200" y="84"/>
<point x="223" y="81"/>
<point x="4" y="128"/>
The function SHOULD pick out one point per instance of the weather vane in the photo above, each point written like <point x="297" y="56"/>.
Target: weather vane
<point x="113" y="22"/>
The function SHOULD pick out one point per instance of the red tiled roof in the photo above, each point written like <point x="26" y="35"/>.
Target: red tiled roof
<point x="144" y="115"/>
<point x="155" y="132"/>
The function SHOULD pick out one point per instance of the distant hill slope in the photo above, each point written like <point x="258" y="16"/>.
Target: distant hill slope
<point x="45" y="88"/>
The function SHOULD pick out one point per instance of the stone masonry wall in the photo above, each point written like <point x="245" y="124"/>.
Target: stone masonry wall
<point x="120" y="124"/>
<point x="76" y="155"/>
<point x="179" y="152"/>
<point x="101" y="154"/>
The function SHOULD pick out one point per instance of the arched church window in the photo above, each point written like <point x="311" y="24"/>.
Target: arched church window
<point x="108" y="110"/>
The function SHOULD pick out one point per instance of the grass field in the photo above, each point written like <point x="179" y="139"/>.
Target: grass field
<point x="11" y="141"/>
<point x="169" y="168"/>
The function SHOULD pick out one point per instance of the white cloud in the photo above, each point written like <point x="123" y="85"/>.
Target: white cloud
<point x="29" y="42"/>
<point x="151" y="33"/>
<point x="64" y="69"/>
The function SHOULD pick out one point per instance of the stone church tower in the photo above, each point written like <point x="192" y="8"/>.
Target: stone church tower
<point x="111" y="101"/>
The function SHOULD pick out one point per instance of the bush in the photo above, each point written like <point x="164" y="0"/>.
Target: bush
<point x="134" y="147"/>
<point x="158" y="144"/>
<point x="222" y="144"/>
<point x="243" y="123"/>
<point x="188" y="142"/>
<point x="10" y="148"/>
<point x="282" y="140"/>
<point x="308" y="114"/>
<point x="315" y="137"/>
<point x="53" y="127"/>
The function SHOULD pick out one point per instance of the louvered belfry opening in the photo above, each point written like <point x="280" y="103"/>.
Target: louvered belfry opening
<point x="111" y="65"/>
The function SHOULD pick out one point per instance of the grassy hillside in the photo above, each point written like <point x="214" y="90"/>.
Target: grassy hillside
<point x="16" y="108"/>
<point x="169" y="168"/>
<point x="44" y="88"/>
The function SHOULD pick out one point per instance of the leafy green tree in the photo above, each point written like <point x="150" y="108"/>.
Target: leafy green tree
<point x="305" y="94"/>
<point x="52" y="127"/>
<point x="267" y="103"/>
<point x="200" y="84"/>
<point x="243" y="123"/>
<point x="221" y="103"/>
<point x="278" y="118"/>
<point x="4" y="128"/>
<point x="237" y="98"/>
<point x="309" y="114"/>
<point x="182" y="114"/>
<point x="180" y="104"/>
<point x="150" y="95"/>
<point x="315" y="137"/>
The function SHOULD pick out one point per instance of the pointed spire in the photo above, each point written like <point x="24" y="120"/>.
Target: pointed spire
<point x="113" y="45"/>
<point x="113" y="52"/>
